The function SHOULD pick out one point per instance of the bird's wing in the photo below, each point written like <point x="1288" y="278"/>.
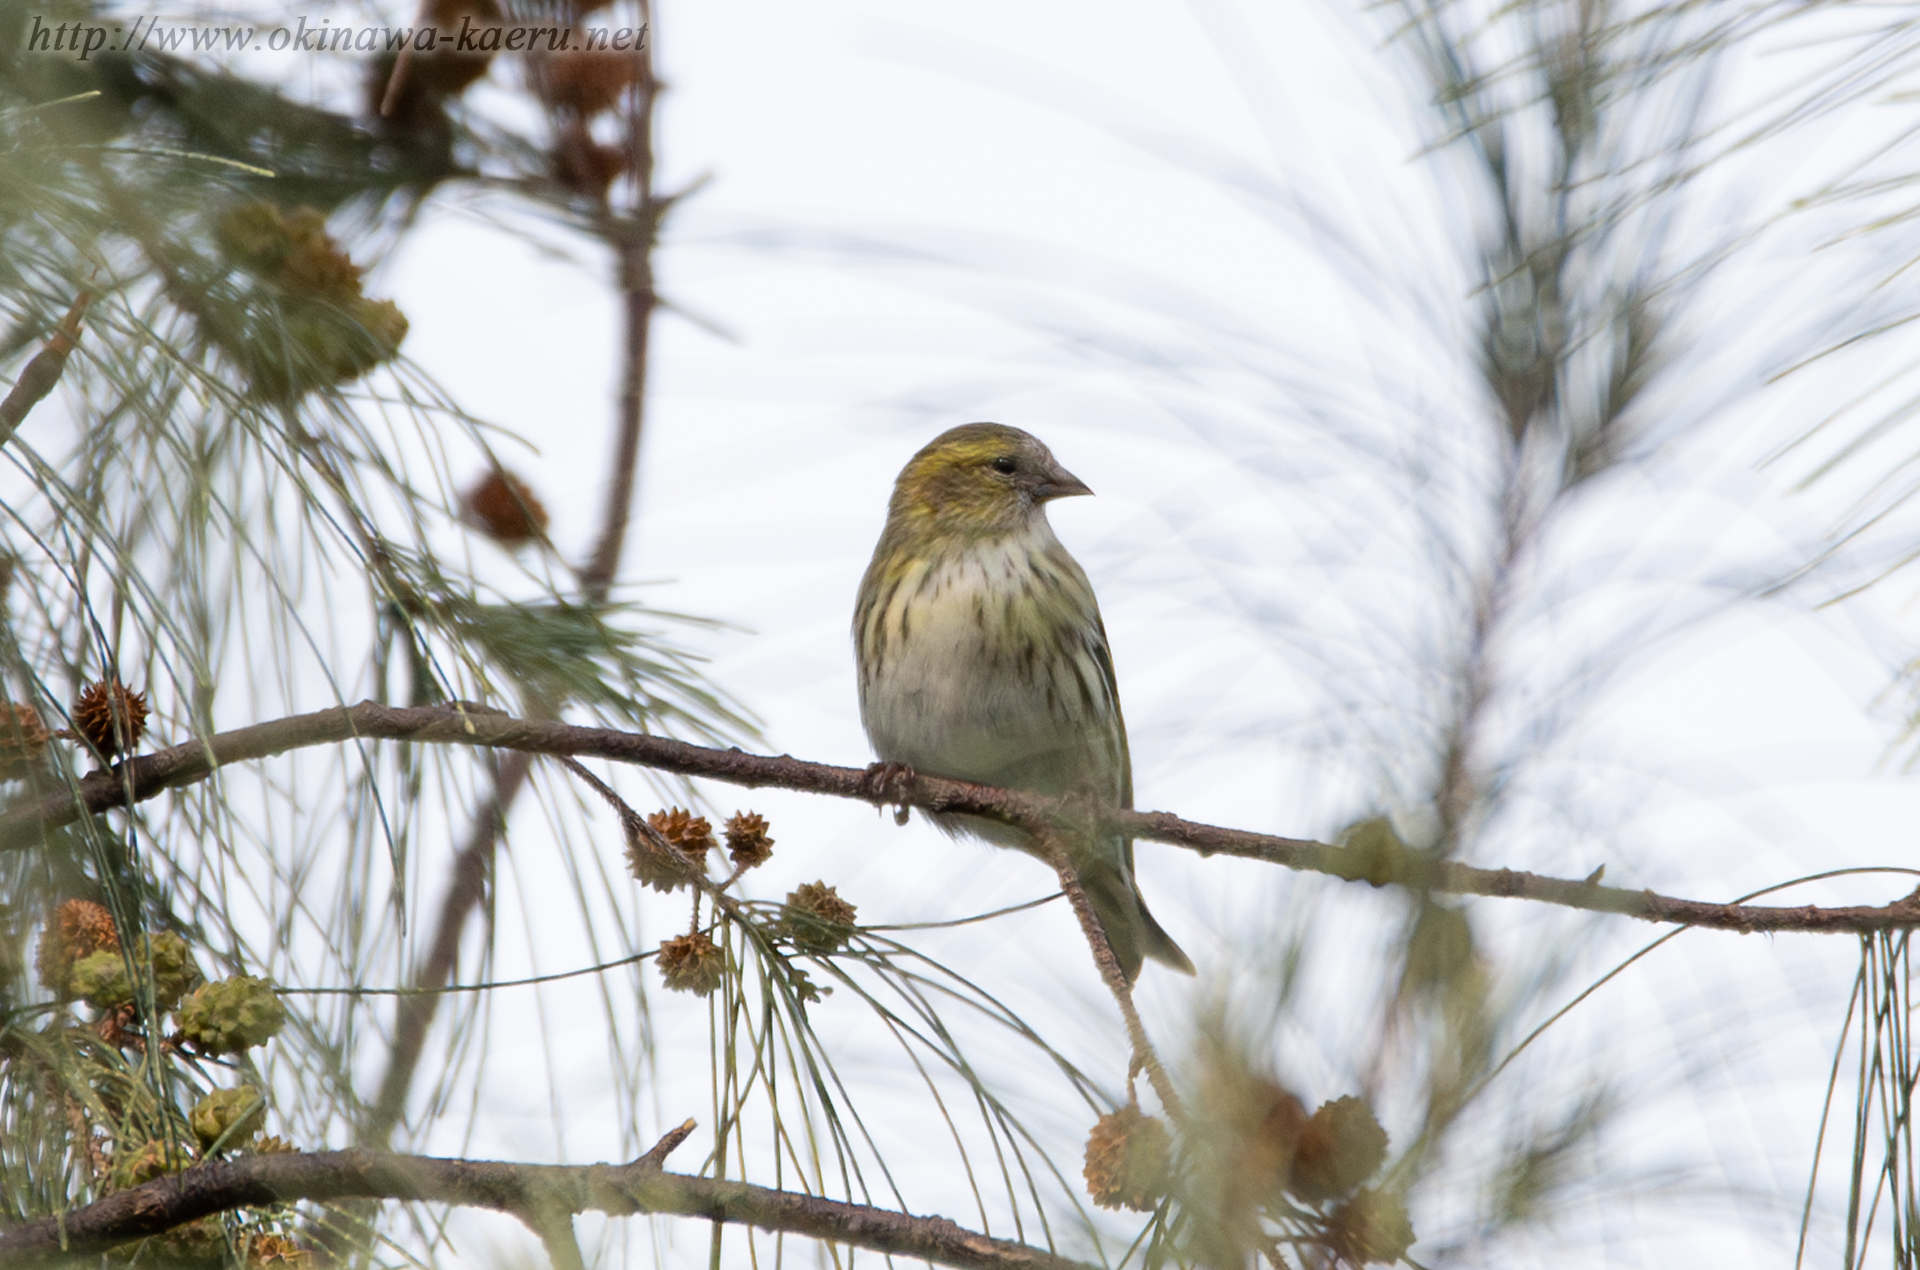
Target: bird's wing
<point x="1117" y="738"/>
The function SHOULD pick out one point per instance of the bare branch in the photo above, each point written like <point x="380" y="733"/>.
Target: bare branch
<point x="544" y="1195"/>
<point x="632" y="237"/>
<point x="146" y="776"/>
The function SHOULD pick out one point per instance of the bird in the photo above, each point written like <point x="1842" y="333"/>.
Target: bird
<point x="982" y="657"/>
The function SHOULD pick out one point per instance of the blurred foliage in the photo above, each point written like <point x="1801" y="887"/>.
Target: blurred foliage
<point x="243" y="502"/>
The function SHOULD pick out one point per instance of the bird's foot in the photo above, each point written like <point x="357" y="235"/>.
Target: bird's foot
<point x="888" y="783"/>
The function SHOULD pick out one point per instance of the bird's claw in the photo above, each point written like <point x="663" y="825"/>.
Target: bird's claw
<point x="888" y="783"/>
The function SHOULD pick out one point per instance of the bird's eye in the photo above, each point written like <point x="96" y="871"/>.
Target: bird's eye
<point x="1005" y="465"/>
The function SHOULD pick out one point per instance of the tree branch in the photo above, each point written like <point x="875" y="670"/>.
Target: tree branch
<point x="22" y="823"/>
<point x="541" y="1194"/>
<point x="632" y="237"/>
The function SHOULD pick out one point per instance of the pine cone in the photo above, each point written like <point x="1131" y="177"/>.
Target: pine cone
<point x="817" y="920"/>
<point x="111" y="717"/>
<point x="1340" y="1147"/>
<point x="145" y="1161"/>
<point x="234" y="1114"/>
<point x="232" y="1015"/>
<point x="1371" y="1227"/>
<point x="1127" y="1160"/>
<point x="277" y="1252"/>
<point x="23" y="738"/>
<point x="587" y="81"/>
<point x="100" y="978"/>
<point x="78" y="929"/>
<point x="691" y="833"/>
<point x="747" y="840"/>
<point x="662" y="869"/>
<point x="503" y="507"/>
<point x="693" y="963"/>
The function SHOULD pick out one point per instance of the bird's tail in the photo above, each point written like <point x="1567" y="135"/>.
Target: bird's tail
<point x="1124" y="917"/>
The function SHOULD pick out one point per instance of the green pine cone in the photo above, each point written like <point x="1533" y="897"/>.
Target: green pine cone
<point x="232" y="1015"/>
<point x="230" y="1114"/>
<point x="100" y="978"/>
<point x="146" y="1162"/>
<point x="173" y="969"/>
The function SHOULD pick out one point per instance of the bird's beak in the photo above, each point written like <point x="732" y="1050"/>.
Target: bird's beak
<point x="1060" y="483"/>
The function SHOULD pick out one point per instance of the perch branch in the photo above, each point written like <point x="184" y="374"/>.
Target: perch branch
<point x="23" y="822"/>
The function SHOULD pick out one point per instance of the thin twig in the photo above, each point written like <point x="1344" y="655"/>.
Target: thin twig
<point x="1144" y="1057"/>
<point x="656" y="1156"/>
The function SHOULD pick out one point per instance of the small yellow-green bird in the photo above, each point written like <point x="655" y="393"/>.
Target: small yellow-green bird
<point x="983" y="657"/>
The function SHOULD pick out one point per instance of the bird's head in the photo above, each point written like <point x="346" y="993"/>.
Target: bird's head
<point x="979" y="478"/>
